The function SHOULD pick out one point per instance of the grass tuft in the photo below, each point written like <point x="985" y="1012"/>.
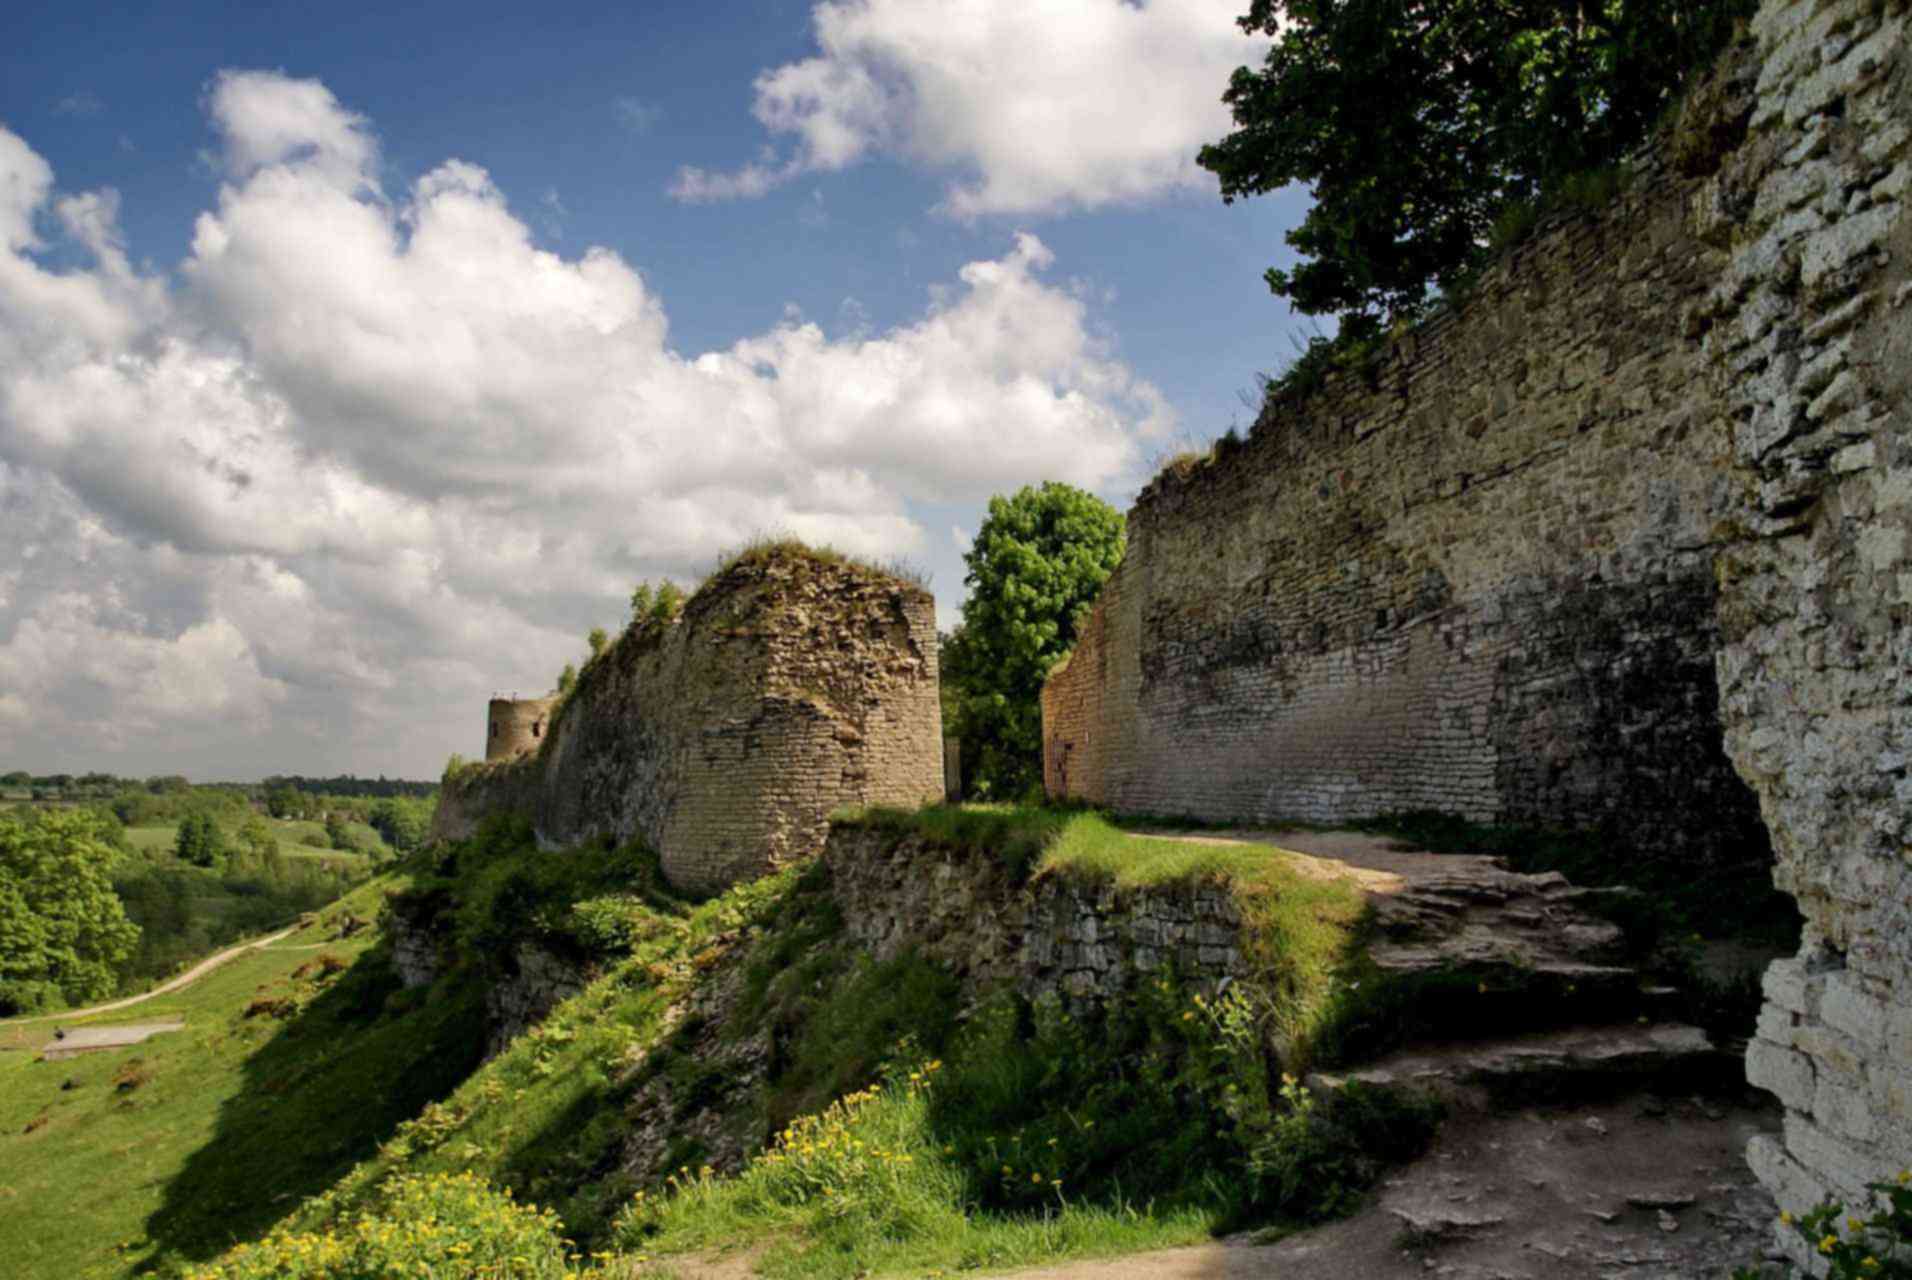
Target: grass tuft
<point x="769" y="547"/>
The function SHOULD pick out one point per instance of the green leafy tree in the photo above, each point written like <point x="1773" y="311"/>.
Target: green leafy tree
<point x="283" y="802"/>
<point x="63" y="931"/>
<point x="1416" y="123"/>
<point x="597" y="640"/>
<point x="567" y="678"/>
<point x="669" y="603"/>
<point x="402" y="823"/>
<point x="199" y="841"/>
<point x="658" y="603"/>
<point x="339" y="835"/>
<point x="1034" y="569"/>
<point x="257" y="844"/>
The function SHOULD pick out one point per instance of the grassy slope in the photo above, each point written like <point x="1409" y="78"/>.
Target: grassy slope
<point x="237" y="1118"/>
<point x="297" y="839"/>
<point x="547" y="1117"/>
<point x="242" y="1119"/>
<point x="189" y="911"/>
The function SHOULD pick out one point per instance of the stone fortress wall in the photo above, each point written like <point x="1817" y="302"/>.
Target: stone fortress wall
<point x="1810" y="332"/>
<point x="789" y="686"/>
<point x="516" y="726"/>
<point x="1650" y="488"/>
<point x="1477" y="579"/>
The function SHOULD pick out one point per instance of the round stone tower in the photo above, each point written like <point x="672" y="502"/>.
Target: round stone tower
<point x="515" y="726"/>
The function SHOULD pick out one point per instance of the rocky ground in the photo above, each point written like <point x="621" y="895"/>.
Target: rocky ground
<point x="1634" y="1188"/>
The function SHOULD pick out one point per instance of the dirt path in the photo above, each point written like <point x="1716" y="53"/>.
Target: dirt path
<point x="171" y="985"/>
<point x="1642" y="1187"/>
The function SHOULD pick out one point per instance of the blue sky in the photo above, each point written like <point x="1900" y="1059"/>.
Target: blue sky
<point x="352" y="364"/>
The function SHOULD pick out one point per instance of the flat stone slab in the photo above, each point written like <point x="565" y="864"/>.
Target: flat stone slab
<point x="80" y="1040"/>
<point x="1445" y="911"/>
<point x="1575" y="1054"/>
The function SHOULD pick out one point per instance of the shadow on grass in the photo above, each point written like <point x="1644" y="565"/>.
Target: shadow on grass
<point x="352" y="1062"/>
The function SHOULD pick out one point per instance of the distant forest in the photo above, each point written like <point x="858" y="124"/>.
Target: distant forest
<point x="99" y="785"/>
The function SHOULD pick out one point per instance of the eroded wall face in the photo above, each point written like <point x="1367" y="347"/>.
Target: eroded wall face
<point x="1811" y="332"/>
<point x="1481" y="583"/>
<point x="725" y="740"/>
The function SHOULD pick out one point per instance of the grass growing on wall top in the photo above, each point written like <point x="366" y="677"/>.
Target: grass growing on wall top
<point x="768" y="547"/>
<point x="1304" y="936"/>
<point x="1031" y="839"/>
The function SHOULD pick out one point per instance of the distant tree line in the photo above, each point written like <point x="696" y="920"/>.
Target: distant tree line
<point x="346" y="784"/>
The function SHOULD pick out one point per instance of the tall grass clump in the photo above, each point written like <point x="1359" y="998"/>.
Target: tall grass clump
<point x="1016" y="834"/>
<point x="1042" y="1134"/>
<point x="437" y="1225"/>
<point x="768" y="546"/>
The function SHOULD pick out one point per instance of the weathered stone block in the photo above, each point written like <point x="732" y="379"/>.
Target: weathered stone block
<point x="1781" y="1071"/>
<point x="1847" y="1008"/>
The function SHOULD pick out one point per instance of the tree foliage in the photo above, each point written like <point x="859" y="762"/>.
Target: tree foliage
<point x="338" y="834"/>
<point x="199" y="841"/>
<point x="1417" y="122"/>
<point x="1034" y="569"/>
<point x="62" y="929"/>
<point x="403" y="822"/>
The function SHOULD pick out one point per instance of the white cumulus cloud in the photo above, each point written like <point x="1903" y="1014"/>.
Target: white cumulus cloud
<point x="368" y="455"/>
<point x="1032" y="107"/>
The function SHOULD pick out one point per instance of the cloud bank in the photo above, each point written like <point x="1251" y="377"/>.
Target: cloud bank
<point x="1036" y="107"/>
<point x="367" y="456"/>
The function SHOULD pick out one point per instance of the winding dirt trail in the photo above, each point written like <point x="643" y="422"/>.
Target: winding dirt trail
<point x="171" y="985"/>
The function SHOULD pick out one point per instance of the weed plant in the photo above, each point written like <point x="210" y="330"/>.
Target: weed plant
<point x="1849" y="1247"/>
<point x="774" y="545"/>
<point x="1042" y="1134"/>
<point x="439" y="1225"/>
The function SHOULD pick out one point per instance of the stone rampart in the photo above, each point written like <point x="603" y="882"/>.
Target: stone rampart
<point x="790" y="685"/>
<point x="1475" y="578"/>
<point x="1054" y="936"/>
<point x="1810" y="330"/>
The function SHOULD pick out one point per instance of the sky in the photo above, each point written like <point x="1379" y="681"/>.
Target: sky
<point x="355" y="362"/>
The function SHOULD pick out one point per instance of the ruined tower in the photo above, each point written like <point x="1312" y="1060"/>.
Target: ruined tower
<point x="515" y="726"/>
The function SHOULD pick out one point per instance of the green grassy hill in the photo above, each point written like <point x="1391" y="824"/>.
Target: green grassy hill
<point x="734" y="1071"/>
<point x="294" y="1063"/>
<point x="185" y="912"/>
<point x="297" y="838"/>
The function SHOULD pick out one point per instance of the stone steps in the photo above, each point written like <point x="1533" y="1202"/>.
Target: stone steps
<point x="1553" y="1065"/>
<point x="1482" y="946"/>
<point x="1520" y="987"/>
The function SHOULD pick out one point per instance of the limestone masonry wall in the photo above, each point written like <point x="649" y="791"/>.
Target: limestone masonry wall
<point x="1810" y="330"/>
<point x="1480" y="581"/>
<point x="788" y="687"/>
<point x="1650" y="489"/>
<point x="1053" y="936"/>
